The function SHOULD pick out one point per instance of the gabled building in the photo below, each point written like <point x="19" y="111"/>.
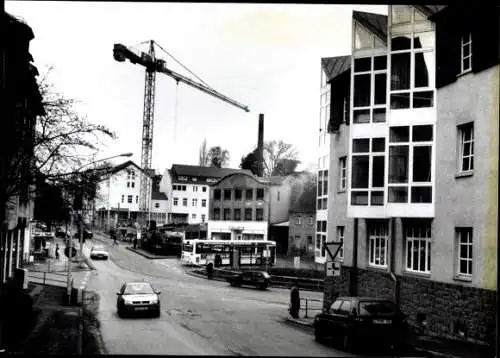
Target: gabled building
<point x="414" y="170"/>
<point x="302" y="224"/>
<point x="118" y="199"/>
<point x="187" y="187"/>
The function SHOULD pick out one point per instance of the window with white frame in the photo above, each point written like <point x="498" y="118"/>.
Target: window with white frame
<point x="378" y="239"/>
<point x="342" y="173"/>
<point x="184" y="202"/>
<point x="176" y="201"/>
<point x="129" y="199"/>
<point x="311" y="220"/>
<point x="193" y="216"/>
<point x="370" y="89"/>
<point x="133" y="184"/>
<point x="340" y="238"/>
<point x="412" y="63"/>
<point x="367" y="174"/>
<point x="204" y="189"/>
<point x="418" y="245"/>
<point x="298" y="220"/>
<point x="195" y="188"/>
<point x="203" y="218"/>
<point x="137" y="199"/>
<point x="194" y="202"/>
<point x="123" y="198"/>
<point x="466" y="150"/>
<point x="321" y="227"/>
<point x="410" y="164"/>
<point x="466" y="52"/>
<point x="128" y="184"/>
<point x="322" y="195"/>
<point x="464" y="251"/>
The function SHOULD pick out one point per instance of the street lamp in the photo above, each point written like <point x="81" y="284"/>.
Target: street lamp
<point x="81" y="231"/>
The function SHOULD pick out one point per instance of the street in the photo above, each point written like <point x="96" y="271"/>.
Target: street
<point x="198" y="316"/>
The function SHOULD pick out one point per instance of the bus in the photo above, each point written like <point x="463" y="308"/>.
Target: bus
<point x="226" y="252"/>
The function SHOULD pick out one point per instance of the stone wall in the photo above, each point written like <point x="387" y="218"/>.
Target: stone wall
<point x="444" y="307"/>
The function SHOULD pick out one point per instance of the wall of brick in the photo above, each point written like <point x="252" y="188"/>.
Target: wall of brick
<point x="443" y="304"/>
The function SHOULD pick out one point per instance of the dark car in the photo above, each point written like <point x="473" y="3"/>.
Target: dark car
<point x="137" y="297"/>
<point x="353" y="321"/>
<point x="260" y="279"/>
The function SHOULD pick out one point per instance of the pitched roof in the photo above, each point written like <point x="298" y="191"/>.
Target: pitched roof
<point x="159" y="196"/>
<point x="122" y="166"/>
<point x="375" y="23"/>
<point x="199" y="171"/>
<point x="334" y="66"/>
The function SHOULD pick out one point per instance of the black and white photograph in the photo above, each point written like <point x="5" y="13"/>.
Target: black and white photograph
<point x="249" y="179"/>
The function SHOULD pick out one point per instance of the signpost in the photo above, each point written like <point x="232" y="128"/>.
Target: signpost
<point x="296" y="262"/>
<point x="332" y="265"/>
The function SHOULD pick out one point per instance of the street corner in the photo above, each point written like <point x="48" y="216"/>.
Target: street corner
<point x="304" y="322"/>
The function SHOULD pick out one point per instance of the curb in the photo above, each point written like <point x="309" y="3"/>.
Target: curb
<point x="299" y="322"/>
<point x="203" y="276"/>
<point x="143" y="254"/>
<point x="433" y="353"/>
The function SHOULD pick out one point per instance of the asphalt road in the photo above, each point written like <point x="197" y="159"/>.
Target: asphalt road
<point x="198" y="316"/>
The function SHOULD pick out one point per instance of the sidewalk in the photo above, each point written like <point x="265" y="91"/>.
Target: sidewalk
<point x="426" y="345"/>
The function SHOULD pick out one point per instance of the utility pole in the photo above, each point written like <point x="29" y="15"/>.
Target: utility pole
<point x="70" y="251"/>
<point x="81" y="233"/>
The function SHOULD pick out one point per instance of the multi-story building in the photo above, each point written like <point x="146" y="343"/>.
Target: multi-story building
<point x="302" y="225"/>
<point x="188" y="188"/>
<point x="418" y="215"/>
<point x="239" y="208"/>
<point x="159" y="207"/>
<point x="117" y="197"/>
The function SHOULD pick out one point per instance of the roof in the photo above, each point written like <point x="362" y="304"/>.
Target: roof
<point x="246" y="173"/>
<point x="122" y="166"/>
<point x="430" y="9"/>
<point x="375" y="23"/>
<point x="284" y="223"/>
<point x="159" y="196"/>
<point x="334" y="66"/>
<point x="200" y="171"/>
<point x="273" y="180"/>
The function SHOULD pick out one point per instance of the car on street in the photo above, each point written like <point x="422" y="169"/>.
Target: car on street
<point x="99" y="252"/>
<point x="260" y="279"/>
<point x="353" y="321"/>
<point x="138" y="297"/>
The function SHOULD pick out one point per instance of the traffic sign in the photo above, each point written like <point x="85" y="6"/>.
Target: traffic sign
<point x="333" y="248"/>
<point x="332" y="268"/>
<point x="67" y="253"/>
<point x="296" y="262"/>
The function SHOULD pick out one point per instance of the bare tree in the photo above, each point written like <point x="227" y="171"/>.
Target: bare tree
<point x="219" y="157"/>
<point x="204" y="159"/>
<point x="276" y="154"/>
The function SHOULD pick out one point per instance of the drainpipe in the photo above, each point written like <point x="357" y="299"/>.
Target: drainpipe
<point x="353" y="282"/>
<point x="393" y="262"/>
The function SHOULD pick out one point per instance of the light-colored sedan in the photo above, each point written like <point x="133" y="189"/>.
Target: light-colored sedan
<point x="137" y="297"/>
<point x="99" y="252"/>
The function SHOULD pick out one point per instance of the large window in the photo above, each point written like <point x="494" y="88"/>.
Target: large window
<point x="203" y="203"/>
<point x="464" y="251"/>
<point x="184" y="202"/>
<point x="324" y="116"/>
<point x="342" y="173"/>
<point x="248" y="214"/>
<point x="410" y="164"/>
<point x="466" y="53"/>
<point x="216" y="213"/>
<point x="321" y="227"/>
<point x="322" y="197"/>
<point x="237" y="194"/>
<point x="194" y="202"/>
<point x="466" y="150"/>
<point x="260" y="194"/>
<point x="418" y="245"/>
<point x="370" y="89"/>
<point x="129" y="199"/>
<point x="259" y="214"/>
<point x="367" y="181"/>
<point x="378" y="243"/>
<point x="249" y="194"/>
<point x="217" y="194"/>
<point x="412" y="61"/>
<point x="227" y="214"/>
<point x="237" y="214"/>
<point x="227" y="194"/>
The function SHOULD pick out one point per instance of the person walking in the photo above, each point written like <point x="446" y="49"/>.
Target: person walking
<point x="210" y="270"/>
<point x="57" y="251"/>
<point x="295" y="300"/>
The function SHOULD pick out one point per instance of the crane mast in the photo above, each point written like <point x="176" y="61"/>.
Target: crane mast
<point x="153" y="65"/>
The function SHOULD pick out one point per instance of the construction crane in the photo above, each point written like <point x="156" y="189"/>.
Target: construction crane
<point x="153" y="65"/>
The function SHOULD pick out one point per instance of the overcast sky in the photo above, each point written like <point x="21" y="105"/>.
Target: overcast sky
<point x="265" y="56"/>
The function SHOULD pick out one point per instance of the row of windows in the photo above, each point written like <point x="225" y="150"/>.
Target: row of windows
<point x="238" y="194"/>
<point x="194" y="216"/>
<point x="322" y="195"/>
<point x="184" y="188"/>
<point x="298" y="220"/>
<point x="130" y="198"/>
<point x="130" y="184"/>
<point x="236" y="214"/>
<point x="130" y="175"/>
<point x="194" y="202"/>
<point x="417" y="243"/>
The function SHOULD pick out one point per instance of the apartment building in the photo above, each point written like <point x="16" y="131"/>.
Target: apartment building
<point x="302" y="225"/>
<point x="117" y="198"/>
<point x="413" y="192"/>
<point x="188" y="188"/>
<point x="239" y="208"/>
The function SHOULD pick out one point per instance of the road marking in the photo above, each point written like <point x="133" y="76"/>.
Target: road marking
<point x="84" y="281"/>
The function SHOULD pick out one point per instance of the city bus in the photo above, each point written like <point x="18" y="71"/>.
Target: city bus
<point x="225" y="252"/>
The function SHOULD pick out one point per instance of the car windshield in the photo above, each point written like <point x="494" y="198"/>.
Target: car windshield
<point x="138" y="289"/>
<point x="99" y="247"/>
<point x="367" y="308"/>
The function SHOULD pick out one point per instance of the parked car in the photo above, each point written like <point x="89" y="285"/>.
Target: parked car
<point x="362" y="320"/>
<point x="135" y="297"/>
<point x="99" y="252"/>
<point x="260" y="279"/>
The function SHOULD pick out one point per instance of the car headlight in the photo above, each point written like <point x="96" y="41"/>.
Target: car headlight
<point x="127" y="302"/>
<point x="154" y="300"/>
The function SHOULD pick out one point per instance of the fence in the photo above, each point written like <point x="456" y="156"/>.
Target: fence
<point x="49" y="278"/>
<point x="309" y="306"/>
<point x="309" y="284"/>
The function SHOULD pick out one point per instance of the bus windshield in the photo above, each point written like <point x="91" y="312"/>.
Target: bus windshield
<point x="187" y="247"/>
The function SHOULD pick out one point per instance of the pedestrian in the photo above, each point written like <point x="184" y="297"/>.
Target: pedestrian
<point x="57" y="251"/>
<point x="295" y="300"/>
<point x="210" y="270"/>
